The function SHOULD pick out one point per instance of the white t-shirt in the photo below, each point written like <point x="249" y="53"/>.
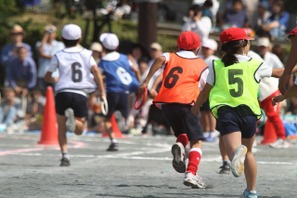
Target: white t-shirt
<point x="201" y="27"/>
<point x="74" y="65"/>
<point x="263" y="71"/>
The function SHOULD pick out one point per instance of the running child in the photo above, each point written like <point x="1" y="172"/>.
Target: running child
<point x="183" y="73"/>
<point x="232" y="87"/>
<point x="121" y="78"/>
<point x="78" y="76"/>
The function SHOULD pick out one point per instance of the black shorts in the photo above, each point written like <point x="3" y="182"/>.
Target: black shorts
<point x="236" y="119"/>
<point x="77" y="102"/>
<point x="117" y="101"/>
<point x="205" y="106"/>
<point x="182" y="120"/>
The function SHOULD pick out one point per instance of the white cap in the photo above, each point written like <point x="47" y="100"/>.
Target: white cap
<point x="210" y="44"/>
<point x="71" y="32"/>
<point x="156" y="46"/>
<point x="109" y="40"/>
<point x="263" y="41"/>
<point x="95" y="46"/>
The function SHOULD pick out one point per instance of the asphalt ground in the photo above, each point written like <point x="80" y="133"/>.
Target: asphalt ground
<point x="142" y="168"/>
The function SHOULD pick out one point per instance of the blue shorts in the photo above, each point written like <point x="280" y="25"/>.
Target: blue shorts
<point x="117" y="101"/>
<point x="77" y="102"/>
<point x="182" y="120"/>
<point x="236" y="119"/>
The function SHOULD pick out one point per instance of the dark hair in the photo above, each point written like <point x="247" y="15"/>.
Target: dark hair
<point x="70" y="43"/>
<point x="196" y="9"/>
<point x="231" y="48"/>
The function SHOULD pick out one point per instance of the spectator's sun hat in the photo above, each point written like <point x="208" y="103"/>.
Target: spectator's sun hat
<point x="263" y="41"/>
<point x="156" y="46"/>
<point x="109" y="40"/>
<point x="50" y="28"/>
<point x="17" y="29"/>
<point x="71" y="32"/>
<point x="188" y="40"/>
<point x="95" y="46"/>
<point x="233" y="34"/>
<point x="210" y="44"/>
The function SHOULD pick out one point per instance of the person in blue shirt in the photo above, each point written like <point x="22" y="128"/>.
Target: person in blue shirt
<point x="277" y="24"/>
<point x="21" y="71"/>
<point x="121" y="78"/>
<point x="8" y="52"/>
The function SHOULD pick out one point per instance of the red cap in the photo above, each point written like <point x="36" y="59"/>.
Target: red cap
<point x="188" y="40"/>
<point x="293" y="32"/>
<point x="233" y="34"/>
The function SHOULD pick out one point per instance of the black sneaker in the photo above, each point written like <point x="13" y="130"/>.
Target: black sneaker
<point x="65" y="162"/>
<point x="225" y="169"/>
<point x="113" y="147"/>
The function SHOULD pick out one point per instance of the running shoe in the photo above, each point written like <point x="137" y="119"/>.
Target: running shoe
<point x="225" y="168"/>
<point x="65" y="162"/>
<point x="237" y="164"/>
<point x="249" y="194"/>
<point x="70" y="120"/>
<point x="280" y="143"/>
<point x="179" y="153"/>
<point x="113" y="147"/>
<point x="194" y="181"/>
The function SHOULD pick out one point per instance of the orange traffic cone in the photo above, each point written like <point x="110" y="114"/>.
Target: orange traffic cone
<point x="115" y="128"/>
<point x="269" y="135"/>
<point x="49" y="131"/>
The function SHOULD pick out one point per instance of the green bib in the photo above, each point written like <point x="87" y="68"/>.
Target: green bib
<point x="235" y="85"/>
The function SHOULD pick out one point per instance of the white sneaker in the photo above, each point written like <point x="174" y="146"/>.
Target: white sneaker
<point x="195" y="181"/>
<point x="280" y="144"/>
<point x="237" y="164"/>
<point x="70" y="120"/>
<point x="179" y="157"/>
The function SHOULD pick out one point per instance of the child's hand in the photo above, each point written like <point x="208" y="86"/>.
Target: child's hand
<point x="277" y="99"/>
<point x="195" y="110"/>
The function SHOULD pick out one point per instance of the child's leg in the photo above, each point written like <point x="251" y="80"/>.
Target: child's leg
<point x="236" y="152"/>
<point x="80" y="125"/>
<point x="250" y="164"/>
<point x="195" y="156"/>
<point x="62" y="133"/>
<point x="63" y="140"/>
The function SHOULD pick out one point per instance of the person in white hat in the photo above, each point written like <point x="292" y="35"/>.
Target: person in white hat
<point x="78" y="76"/>
<point x="97" y="51"/>
<point x="121" y="78"/>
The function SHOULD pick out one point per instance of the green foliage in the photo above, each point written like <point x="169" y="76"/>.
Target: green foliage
<point x="7" y="8"/>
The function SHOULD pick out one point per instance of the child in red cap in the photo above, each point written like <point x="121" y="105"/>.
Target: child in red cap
<point x="183" y="72"/>
<point x="232" y="87"/>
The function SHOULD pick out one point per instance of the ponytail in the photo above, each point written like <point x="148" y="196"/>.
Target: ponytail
<point x="231" y="48"/>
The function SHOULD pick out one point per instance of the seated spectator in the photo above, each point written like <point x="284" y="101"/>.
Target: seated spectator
<point x="22" y="72"/>
<point x="10" y="109"/>
<point x="277" y="24"/>
<point x="235" y="17"/>
<point x="260" y="16"/>
<point x="34" y="112"/>
<point x="9" y="50"/>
